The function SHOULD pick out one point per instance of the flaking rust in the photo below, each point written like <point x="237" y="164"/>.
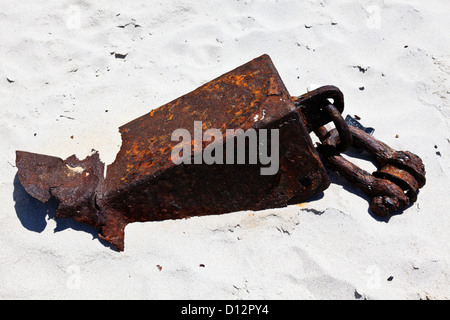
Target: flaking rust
<point x="143" y="184"/>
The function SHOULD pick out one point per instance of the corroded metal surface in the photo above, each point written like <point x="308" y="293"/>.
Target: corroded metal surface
<point x="72" y="182"/>
<point x="393" y="186"/>
<point x="143" y="184"/>
<point x="312" y="106"/>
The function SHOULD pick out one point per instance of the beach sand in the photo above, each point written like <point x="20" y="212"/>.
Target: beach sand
<point x="72" y="72"/>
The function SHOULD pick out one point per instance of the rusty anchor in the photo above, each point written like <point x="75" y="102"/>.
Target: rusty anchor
<point x="145" y="184"/>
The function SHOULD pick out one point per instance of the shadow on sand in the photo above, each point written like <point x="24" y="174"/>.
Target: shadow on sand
<point x="32" y="213"/>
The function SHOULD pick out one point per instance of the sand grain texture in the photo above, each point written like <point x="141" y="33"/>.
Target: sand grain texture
<point x="72" y="72"/>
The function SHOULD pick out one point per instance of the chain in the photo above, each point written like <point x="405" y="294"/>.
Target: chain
<point x="400" y="175"/>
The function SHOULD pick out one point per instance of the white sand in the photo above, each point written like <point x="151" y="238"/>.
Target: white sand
<point x="61" y="56"/>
